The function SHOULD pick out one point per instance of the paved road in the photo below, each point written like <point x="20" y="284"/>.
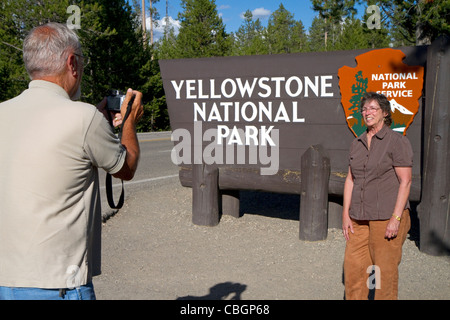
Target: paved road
<point x="155" y="153"/>
<point x="154" y="165"/>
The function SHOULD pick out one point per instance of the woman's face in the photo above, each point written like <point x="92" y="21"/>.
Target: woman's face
<point x="372" y="114"/>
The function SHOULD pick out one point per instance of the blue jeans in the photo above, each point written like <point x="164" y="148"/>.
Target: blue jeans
<point x="85" y="292"/>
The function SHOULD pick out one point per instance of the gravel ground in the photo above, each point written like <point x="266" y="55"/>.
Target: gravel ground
<point x="151" y="250"/>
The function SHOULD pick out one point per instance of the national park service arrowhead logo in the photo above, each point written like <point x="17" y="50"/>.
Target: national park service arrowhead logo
<point x="382" y="71"/>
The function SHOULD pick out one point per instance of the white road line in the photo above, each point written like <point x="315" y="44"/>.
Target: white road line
<point x="144" y="180"/>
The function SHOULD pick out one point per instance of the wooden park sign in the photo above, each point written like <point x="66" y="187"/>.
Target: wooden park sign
<point x="284" y="123"/>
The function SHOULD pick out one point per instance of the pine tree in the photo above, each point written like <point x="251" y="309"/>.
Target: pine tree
<point x="351" y="36"/>
<point x="359" y="88"/>
<point x="316" y="37"/>
<point x="165" y="48"/>
<point x="284" y="34"/>
<point x="299" y="37"/>
<point x="249" y="39"/>
<point x="333" y="12"/>
<point x="111" y="38"/>
<point x="417" y="21"/>
<point x="202" y="32"/>
<point x="17" y="18"/>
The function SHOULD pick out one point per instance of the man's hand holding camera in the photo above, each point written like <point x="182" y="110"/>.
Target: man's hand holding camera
<point x="137" y="109"/>
<point x="114" y="106"/>
<point x="129" y="138"/>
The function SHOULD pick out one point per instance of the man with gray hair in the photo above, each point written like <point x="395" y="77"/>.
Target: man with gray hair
<point x="52" y="146"/>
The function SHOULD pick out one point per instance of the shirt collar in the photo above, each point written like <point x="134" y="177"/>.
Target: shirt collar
<point x="380" y="134"/>
<point x="43" y="84"/>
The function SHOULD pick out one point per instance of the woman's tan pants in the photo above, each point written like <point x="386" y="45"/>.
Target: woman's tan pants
<point x="367" y="249"/>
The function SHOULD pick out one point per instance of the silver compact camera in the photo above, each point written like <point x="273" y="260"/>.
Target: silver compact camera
<point x="114" y="100"/>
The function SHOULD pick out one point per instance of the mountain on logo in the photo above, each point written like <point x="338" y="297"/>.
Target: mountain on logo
<point x="397" y="106"/>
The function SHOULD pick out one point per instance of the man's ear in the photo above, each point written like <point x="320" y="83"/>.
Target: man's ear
<point x="72" y="64"/>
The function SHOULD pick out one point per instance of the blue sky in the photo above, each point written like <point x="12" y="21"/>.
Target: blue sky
<point x="231" y="11"/>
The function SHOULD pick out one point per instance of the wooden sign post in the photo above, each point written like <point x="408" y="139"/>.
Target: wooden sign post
<point x="434" y="209"/>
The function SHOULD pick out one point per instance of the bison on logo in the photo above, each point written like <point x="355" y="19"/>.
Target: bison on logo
<point x="382" y="71"/>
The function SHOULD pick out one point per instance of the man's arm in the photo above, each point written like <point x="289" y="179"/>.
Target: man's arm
<point x="129" y="138"/>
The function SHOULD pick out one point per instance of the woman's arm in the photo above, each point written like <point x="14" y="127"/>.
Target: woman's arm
<point x="404" y="175"/>
<point x="348" y="189"/>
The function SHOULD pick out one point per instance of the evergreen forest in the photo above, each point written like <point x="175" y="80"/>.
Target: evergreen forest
<point x="123" y="54"/>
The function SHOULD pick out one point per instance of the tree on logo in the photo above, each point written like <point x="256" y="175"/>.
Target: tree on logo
<point x="358" y="90"/>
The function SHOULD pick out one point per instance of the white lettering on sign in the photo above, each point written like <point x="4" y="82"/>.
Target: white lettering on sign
<point x="393" y="76"/>
<point x="392" y="84"/>
<point x="263" y="87"/>
<point x="248" y="112"/>
<point x="245" y="103"/>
